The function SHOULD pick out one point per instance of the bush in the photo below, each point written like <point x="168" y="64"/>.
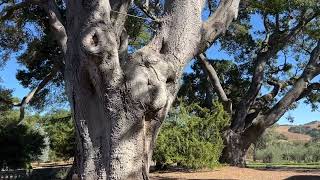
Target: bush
<point x="59" y="128"/>
<point x="20" y="144"/>
<point x="191" y="137"/>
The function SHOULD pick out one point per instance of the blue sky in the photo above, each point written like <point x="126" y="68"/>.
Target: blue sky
<point x="302" y="114"/>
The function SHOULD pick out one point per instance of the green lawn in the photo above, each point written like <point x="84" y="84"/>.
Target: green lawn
<point x="284" y="165"/>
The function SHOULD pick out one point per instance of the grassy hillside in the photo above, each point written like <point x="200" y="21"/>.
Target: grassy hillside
<point x="301" y="133"/>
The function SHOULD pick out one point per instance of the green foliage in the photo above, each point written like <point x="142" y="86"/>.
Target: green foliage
<point x="5" y="96"/>
<point x="196" y="89"/>
<point x="191" y="137"/>
<point x="20" y="144"/>
<point x="137" y="30"/>
<point x="286" y="152"/>
<point x="59" y="128"/>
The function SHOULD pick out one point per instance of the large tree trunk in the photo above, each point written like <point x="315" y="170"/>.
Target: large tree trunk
<point x="118" y="101"/>
<point x="237" y="144"/>
<point x="235" y="149"/>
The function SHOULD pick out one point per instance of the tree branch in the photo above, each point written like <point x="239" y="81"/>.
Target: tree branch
<point x="119" y="9"/>
<point x="53" y="13"/>
<point x="56" y="24"/>
<point x="210" y="6"/>
<point x="276" y="88"/>
<point x="311" y="87"/>
<point x="146" y="10"/>
<point x="266" y="23"/>
<point x="25" y="101"/>
<point x="215" y="82"/>
<point x="218" y="23"/>
<point x="312" y="70"/>
<point x="261" y="103"/>
<point x="271" y="46"/>
<point x="263" y="100"/>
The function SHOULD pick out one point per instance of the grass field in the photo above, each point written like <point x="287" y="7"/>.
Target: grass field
<point x="285" y="165"/>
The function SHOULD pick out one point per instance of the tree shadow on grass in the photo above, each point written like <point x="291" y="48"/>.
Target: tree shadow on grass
<point x="303" y="177"/>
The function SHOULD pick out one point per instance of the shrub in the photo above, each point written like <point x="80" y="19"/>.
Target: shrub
<point x="20" y="144"/>
<point x="191" y="137"/>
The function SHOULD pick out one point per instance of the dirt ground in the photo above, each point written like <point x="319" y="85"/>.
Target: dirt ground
<point x="233" y="173"/>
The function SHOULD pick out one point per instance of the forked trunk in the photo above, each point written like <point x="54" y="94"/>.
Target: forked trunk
<point x="234" y="152"/>
<point x="237" y="144"/>
<point x="119" y="101"/>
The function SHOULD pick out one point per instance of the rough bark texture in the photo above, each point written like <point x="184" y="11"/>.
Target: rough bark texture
<point x="237" y="144"/>
<point x="118" y="100"/>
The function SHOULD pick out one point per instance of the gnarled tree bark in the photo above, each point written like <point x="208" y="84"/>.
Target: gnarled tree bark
<point x="119" y="101"/>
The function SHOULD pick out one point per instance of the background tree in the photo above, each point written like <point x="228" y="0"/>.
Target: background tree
<point x="6" y="100"/>
<point x="118" y="97"/>
<point x="20" y="144"/>
<point x="261" y="61"/>
<point x="60" y="130"/>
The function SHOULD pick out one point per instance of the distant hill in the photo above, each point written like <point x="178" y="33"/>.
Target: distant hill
<point x="313" y="124"/>
<point x="299" y="133"/>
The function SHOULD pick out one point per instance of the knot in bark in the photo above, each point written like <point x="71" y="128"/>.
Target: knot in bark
<point x="98" y="40"/>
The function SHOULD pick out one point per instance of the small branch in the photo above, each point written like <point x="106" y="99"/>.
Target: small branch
<point x="4" y="2"/>
<point x="25" y="101"/>
<point x="277" y="86"/>
<point x="311" y="87"/>
<point x="146" y="10"/>
<point x="277" y="22"/>
<point x="210" y="6"/>
<point x="266" y="23"/>
<point x="215" y="82"/>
